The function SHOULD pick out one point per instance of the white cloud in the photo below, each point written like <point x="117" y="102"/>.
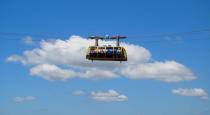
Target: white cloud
<point x="97" y="74"/>
<point x="48" y="60"/>
<point x="111" y="95"/>
<point x="78" y="92"/>
<point x="177" y="39"/>
<point x="52" y="72"/>
<point x="198" y="92"/>
<point x="22" y="99"/>
<point x="169" y="71"/>
<point x="28" y="41"/>
<point x="15" y="58"/>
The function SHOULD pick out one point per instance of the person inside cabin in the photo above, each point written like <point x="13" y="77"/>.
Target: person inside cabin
<point x="109" y="52"/>
<point x="100" y="52"/>
<point x="118" y="52"/>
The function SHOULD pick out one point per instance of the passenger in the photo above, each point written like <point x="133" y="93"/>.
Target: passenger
<point x="118" y="51"/>
<point x="109" y="52"/>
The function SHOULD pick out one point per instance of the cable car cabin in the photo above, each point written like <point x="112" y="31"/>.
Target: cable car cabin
<point x="106" y="53"/>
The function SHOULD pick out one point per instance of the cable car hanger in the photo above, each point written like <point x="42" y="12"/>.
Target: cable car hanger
<point x="107" y="37"/>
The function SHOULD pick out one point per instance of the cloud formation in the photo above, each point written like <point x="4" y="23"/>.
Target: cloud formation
<point x="198" y="92"/>
<point x="169" y="71"/>
<point x="65" y="59"/>
<point x="109" y="96"/>
<point x="28" y="41"/>
<point x="22" y="99"/>
<point x="52" y="72"/>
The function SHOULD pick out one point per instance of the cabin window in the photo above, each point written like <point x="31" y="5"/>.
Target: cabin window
<point x="109" y="52"/>
<point x="93" y="51"/>
<point x="117" y="52"/>
<point x="123" y="55"/>
<point x="101" y="51"/>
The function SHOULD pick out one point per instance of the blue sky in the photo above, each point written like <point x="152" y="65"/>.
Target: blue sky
<point x="96" y="17"/>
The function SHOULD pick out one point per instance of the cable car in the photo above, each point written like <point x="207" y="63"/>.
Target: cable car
<point x="106" y="53"/>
